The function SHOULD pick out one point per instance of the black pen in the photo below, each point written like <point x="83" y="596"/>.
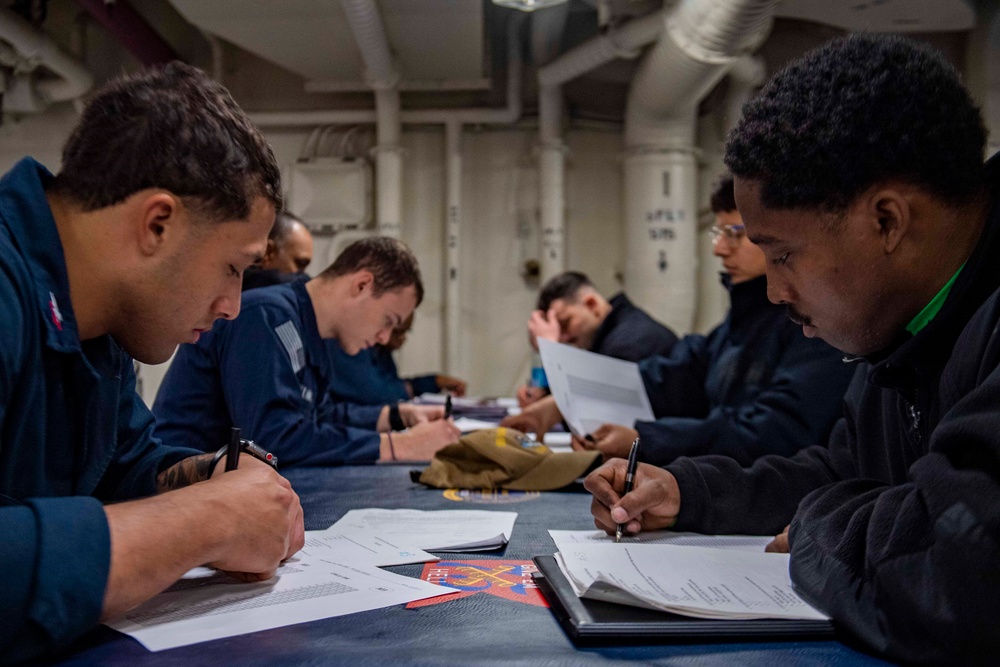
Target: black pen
<point x="633" y="463"/>
<point x="447" y="406"/>
<point x="233" y="450"/>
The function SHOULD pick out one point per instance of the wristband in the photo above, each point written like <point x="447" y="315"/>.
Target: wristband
<point x="247" y="447"/>
<point x="395" y="420"/>
<point x="392" y="450"/>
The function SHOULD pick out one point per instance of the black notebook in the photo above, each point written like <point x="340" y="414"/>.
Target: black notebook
<point x="595" y="622"/>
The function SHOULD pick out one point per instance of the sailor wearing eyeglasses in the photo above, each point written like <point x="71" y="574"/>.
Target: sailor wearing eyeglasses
<point x="753" y="386"/>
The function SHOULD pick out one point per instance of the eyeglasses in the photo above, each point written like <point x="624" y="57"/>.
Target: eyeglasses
<point x="732" y="233"/>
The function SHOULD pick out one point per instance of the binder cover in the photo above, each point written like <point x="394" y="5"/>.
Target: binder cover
<point x="594" y="622"/>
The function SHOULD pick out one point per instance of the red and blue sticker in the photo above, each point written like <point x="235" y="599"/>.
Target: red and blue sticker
<point x="507" y="579"/>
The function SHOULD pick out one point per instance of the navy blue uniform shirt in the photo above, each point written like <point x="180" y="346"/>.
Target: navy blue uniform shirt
<point x="370" y="377"/>
<point x="266" y="372"/>
<point x="73" y="434"/>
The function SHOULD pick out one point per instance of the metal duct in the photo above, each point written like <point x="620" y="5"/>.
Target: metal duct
<point x="623" y="42"/>
<point x="703" y="40"/>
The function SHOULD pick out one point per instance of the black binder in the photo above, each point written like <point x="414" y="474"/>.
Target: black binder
<point x="594" y="622"/>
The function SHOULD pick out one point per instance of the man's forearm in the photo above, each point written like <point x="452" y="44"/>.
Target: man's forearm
<point x="153" y="542"/>
<point x="184" y="473"/>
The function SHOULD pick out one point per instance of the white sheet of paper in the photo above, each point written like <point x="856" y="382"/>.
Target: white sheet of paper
<point x="442" y="530"/>
<point x="466" y="425"/>
<point x="591" y="389"/>
<point x="693" y="581"/>
<point x="364" y="549"/>
<point x="308" y="587"/>
<point x="564" y="539"/>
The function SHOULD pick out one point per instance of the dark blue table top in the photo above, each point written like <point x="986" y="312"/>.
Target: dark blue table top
<point x="480" y="629"/>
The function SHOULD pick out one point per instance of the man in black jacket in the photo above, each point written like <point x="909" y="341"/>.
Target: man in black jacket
<point x="570" y="310"/>
<point x="753" y="386"/>
<point x="859" y="172"/>
<point x="289" y="252"/>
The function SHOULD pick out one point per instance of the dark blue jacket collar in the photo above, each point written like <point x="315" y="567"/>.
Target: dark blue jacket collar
<point x="25" y="211"/>
<point x="747" y="299"/>
<point x="307" y="312"/>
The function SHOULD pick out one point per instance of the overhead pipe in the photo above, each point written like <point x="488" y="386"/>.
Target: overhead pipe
<point x="702" y="41"/>
<point x="31" y="48"/>
<point x="623" y="42"/>
<point x="383" y="76"/>
<point x="453" y="239"/>
<point x="746" y="75"/>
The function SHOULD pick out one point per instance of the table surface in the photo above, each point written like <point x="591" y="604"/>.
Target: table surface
<point x="480" y="629"/>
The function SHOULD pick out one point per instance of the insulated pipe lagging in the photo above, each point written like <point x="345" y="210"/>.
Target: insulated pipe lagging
<point x="453" y="240"/>
<point x="622" y="42"/>
<point x="369" y="34"/>
<point x="718" y="30"/>
<point x="703" y="39"/>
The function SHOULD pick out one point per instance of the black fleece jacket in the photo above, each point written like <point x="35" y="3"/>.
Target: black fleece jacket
<point x="629" y="333"/>
<point x="895" y="525"/>
<point x="753" y="386"/>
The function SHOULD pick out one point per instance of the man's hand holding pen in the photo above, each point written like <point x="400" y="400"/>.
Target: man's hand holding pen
<point x="612" y="440"/>
<point x="263" y="523"/>
<point x="653" y="503"/>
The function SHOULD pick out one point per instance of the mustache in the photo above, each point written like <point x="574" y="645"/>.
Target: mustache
<point x="797" y="317"/>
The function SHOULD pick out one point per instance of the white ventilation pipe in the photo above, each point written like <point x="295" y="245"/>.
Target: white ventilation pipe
<point x="746" y="75"/>
<point x="623" y="42"/>
<point x="453" y="214"/>
<point x="388" y="163"/>
<point x="34" y="48"/>
<point x="551" y="182"/>
<point x="703" y="40"/>
<point x="383" y="76"/>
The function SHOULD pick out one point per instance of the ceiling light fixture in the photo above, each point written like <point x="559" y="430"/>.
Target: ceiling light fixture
<point x="528" y="5"/>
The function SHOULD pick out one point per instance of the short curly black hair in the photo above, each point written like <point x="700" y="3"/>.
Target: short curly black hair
<point x="858" y="111"/>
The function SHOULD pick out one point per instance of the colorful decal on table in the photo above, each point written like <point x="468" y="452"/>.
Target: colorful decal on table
<point x="507" y="579"/>
<point x="490" y="496"/>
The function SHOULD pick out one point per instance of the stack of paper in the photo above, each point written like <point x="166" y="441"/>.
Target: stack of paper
<point x="564" y="539"/>
<point x="325" y="579"/>
<point x="335" y="573"/>
<point x="444" y="530"/>
<point x="364" y="549"/>
<point x="693" y="581"/>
